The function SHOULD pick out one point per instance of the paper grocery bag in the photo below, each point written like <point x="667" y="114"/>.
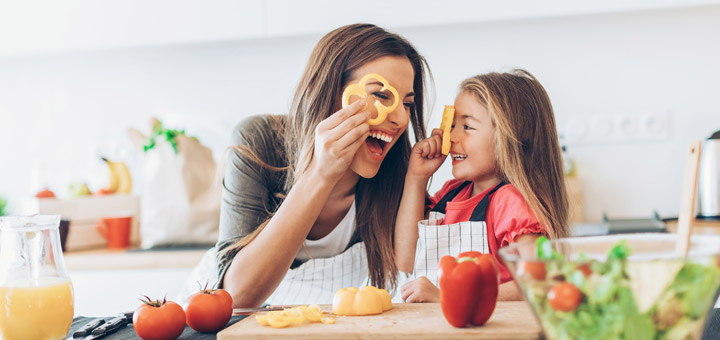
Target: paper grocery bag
<point x="180" y="203"/>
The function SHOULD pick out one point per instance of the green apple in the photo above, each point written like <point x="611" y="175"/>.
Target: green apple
<point x="78" y="189"/>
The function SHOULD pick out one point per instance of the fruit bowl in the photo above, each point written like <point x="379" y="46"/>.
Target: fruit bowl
<point x="629" y="286"/>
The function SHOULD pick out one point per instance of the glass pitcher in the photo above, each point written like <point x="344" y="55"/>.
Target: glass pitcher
<point x="38" y="294"/>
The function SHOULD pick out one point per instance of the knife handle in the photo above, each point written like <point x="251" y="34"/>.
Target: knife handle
<point x="85" y="330"/>
<point x="110" y="326"/>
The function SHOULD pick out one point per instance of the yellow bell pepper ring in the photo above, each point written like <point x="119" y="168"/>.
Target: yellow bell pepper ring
<point x="366" y="301"/>
<point x="446" y="126"/>
<point x="358" y="89"/>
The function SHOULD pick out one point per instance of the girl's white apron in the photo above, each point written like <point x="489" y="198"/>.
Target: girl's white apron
<point x="436" y="239"/>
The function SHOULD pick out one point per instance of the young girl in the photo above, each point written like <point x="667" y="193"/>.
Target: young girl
<point x="508" y="184"/>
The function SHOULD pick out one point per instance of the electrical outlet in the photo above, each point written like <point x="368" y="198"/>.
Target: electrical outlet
<point x="619" y="127"/>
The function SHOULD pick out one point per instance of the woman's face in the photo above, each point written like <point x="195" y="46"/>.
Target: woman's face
<point x="398" y="71"/>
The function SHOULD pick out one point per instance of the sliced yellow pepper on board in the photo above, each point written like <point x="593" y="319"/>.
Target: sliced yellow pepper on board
<point x="292" y="316"/>
<point x="446" y="126"/>
<point x="366" y="301"/>
<point x="358" y="89"/>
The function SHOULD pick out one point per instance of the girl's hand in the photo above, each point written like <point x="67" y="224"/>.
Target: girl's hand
<point x="338" y="138"/>
<point x="426" y="156"/>
<point x="420" y="290"/>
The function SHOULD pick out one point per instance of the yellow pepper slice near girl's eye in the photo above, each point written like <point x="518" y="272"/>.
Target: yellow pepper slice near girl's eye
<point x="358" y="89"/>
<point x="446" y="126"/>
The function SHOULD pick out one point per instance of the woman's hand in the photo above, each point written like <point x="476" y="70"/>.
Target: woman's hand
<point x="426" y="156"/>
<point x="420" y="290"/>
<point x="338" y="138"/>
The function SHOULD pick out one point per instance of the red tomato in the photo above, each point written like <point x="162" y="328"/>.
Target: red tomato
<point x="209" y="310"/>
<point x="46" y="193"/>
<point x="159" y="320"/>
<point x="564" y="297"/>
<point x="535" y="269"/>
<point x="585" y="269"/>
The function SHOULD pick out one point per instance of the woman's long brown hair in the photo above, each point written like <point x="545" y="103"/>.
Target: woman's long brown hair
<point x="318" y="95"/>
<point x="527" y="150"/>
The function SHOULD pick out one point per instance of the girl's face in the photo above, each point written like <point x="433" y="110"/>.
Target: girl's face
<point x="398" y="71"/>
<point x="472" y="141"/>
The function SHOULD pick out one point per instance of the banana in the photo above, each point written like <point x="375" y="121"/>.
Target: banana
<point x="114" y="181"/>
<point x="120" y="179"/>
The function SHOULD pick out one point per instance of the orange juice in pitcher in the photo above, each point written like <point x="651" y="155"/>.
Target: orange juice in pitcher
<point x="21" y="315"/>
<point x="38" y="295"/>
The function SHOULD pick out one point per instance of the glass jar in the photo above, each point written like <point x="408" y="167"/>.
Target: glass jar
<point x="38" y="301"/>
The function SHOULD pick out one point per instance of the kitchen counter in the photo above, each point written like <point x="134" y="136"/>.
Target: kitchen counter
<point x="110" y="259"/>
<point x="511" y="320"/>
<point x="697" y="226"/>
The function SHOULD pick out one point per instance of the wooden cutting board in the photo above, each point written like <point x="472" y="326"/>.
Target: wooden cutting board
<point x="511" y="320"/>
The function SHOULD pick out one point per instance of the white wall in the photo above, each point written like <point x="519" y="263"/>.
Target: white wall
<point x="58" y="110"/>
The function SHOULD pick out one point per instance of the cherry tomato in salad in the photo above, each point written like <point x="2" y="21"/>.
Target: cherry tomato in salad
<point x="585" y="269"/>
<point x="535" y="269"/>
<point x="159" y="320"/>
<point x="564" y="297"/>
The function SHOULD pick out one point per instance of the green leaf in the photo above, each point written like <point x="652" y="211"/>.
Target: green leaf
<point x="170" y="135"/>
<point x="619" y="252"/>
<point x="3" y="205"/>
<point x="545" y="250"/>
<point x="697" y="285"/>
<point x="639" y="327"/>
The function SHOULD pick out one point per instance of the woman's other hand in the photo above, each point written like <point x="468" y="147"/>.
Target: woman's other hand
<point x="338" y="138"/>
<point x="426" y="156"/>
<point x="420" y="290"/>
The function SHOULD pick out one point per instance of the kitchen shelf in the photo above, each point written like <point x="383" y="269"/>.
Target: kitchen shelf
<point x="36" y="26"/>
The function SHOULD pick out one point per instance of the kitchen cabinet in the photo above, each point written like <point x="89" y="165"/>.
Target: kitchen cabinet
<point x="290" y="17"/>
<point x="37" y="26"/>
<point x="40" y="26"/>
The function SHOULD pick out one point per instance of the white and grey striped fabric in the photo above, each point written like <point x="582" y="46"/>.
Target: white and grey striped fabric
<point x="436" y="240"/>
<point x="317" y="280"/>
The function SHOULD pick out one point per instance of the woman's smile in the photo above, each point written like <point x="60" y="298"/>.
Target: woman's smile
<point x="377" y="143"/>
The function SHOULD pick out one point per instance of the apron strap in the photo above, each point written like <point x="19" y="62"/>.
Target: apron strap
<point x="481" y="209"/>
<point x="440" y="206"/>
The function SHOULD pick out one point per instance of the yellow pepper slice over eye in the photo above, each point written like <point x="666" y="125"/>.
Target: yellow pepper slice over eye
<point x="446" y="126"/>
<point x="358" y="89"/>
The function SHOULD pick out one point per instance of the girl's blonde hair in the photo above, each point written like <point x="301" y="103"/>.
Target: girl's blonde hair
<point x="329" y="70"/>
<point x="527" y="150"/>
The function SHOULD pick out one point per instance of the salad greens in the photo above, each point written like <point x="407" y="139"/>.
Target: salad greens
<point x="621" y="299"/>
<point x="3" y="204"/>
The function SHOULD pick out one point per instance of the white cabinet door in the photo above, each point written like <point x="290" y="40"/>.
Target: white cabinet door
<point x="292" y="17"/>
<point x="30" y="26"/>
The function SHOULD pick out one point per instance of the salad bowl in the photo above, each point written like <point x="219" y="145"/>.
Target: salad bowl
<point x="630" y="286"/>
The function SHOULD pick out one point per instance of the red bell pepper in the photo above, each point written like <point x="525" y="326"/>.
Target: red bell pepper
<point x="468" y="288"/>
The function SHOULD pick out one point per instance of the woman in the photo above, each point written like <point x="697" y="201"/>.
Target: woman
<point x="310" y="198"/>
